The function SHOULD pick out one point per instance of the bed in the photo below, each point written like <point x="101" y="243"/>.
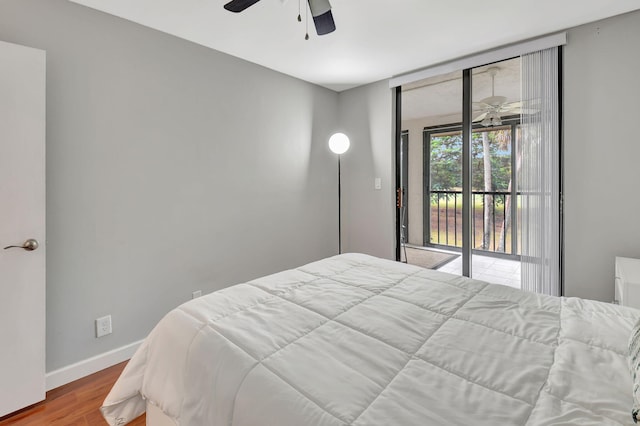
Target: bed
<point x="357" y="340"/>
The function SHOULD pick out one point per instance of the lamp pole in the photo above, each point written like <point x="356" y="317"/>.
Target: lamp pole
<point x="339" y="210"/>
<point x="339" y="144"/>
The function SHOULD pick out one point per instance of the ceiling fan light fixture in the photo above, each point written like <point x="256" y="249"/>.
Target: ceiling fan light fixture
<point x="492" y="119"/>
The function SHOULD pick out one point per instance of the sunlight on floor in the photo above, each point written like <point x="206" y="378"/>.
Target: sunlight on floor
<point x="490" y="269"/>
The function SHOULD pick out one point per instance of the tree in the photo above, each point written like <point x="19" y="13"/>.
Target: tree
<point x="491" y="169"/>
<point x="506" y="223"/>
<point x="488" y="206"/>
<point x="496" y="176"/>
<point x="446" y="162"/>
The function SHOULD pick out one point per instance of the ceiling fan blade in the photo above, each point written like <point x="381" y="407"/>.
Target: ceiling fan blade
<point x="239" y="5"/>
<point x="324" y="23"/>
<point x="494" y="101"/>
<point x="515" y="108"/>
<point x="481" y="106"/>
<point x="510" y="107"/>
<point x="526" y="111"/>
<point x="480" y="117"/>
<point x="322" y="16"/>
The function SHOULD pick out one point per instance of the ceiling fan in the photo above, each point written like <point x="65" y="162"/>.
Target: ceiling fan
<point x="320" y="10"/>
<point x="494" y="107"/>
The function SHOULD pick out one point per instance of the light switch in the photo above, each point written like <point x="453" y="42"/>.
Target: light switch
<point x="377" y="184"/>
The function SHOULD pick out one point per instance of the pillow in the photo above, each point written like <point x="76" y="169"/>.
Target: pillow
<point x="634" y="366"/>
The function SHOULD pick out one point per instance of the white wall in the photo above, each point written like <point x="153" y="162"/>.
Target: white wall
<point x="366" y="115"/>
<point x="602" y="153"/>
<point x="170" y="168"/>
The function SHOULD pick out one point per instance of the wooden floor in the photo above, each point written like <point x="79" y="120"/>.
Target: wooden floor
<point x="74" y="404"/>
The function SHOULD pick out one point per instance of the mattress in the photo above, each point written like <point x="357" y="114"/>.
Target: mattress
<point x="357" y="340"/>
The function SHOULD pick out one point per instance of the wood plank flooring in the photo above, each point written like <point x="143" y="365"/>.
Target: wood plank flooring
<point x="74" y="404"/>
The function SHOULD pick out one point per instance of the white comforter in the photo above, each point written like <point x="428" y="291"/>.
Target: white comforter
<point x="356" y="340"/>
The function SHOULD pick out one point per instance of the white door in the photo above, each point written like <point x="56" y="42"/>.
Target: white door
<point x="22" y="207"/>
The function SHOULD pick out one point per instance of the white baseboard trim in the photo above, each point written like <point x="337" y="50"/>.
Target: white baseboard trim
<point x="89" y="366"/>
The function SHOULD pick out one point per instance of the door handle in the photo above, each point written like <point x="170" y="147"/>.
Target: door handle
<point x="29" y="245"/>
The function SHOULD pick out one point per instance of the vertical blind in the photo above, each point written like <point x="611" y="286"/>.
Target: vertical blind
<point x="540" y="173"/>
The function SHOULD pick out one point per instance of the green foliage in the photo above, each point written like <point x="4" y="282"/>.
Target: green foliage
<point x="446" y="161"/>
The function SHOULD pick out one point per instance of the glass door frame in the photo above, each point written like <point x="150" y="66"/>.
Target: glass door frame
<point x="467" y="129"/>
<point x="510" y="123"/>
<point x="397" y="100"/>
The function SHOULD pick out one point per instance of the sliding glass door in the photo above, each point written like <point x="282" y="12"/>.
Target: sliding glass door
<point x="470" y="206"/>
<point x="484" y="147"/>
<point x="431" y="197"/>
<point x="496" y="111"/>
<point x="480" y="228"/>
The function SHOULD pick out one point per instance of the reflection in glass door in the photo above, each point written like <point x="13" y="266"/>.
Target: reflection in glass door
<point x="493" y="189"/>
<point x="402" y="195"/>
<point x="477" y="164"/>
<point x="494" y="169"/>
<point x="433" y="103"/>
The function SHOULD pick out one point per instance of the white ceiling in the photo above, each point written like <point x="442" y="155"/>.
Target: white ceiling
<point x="374" y="40"/>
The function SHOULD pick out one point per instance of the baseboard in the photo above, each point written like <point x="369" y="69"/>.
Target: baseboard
<point x="89" y="366"/>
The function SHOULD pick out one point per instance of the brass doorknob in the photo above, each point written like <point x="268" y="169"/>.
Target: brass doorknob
<point x="29" y="245"/>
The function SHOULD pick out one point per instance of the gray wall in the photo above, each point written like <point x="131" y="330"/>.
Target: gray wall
<point x="170" y="168"/>
<point x="366" y="115"/>
<point x="173" y="168"/>
<point x="602" y="152"/>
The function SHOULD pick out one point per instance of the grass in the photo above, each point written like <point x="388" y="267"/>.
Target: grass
<point x="453" y="225"/>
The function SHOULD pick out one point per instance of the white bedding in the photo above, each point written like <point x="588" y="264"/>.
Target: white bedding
<point x="356" y="340"/>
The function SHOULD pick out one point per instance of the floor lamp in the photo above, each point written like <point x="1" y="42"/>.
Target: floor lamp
<point x="339" y="144"/>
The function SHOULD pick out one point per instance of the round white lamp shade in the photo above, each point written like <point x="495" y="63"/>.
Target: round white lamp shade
<point x="339" y="143"/>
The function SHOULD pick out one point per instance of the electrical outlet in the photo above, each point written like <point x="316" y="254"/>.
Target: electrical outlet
<point x="103" y="326"/>
<point x="196" y="294"/>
